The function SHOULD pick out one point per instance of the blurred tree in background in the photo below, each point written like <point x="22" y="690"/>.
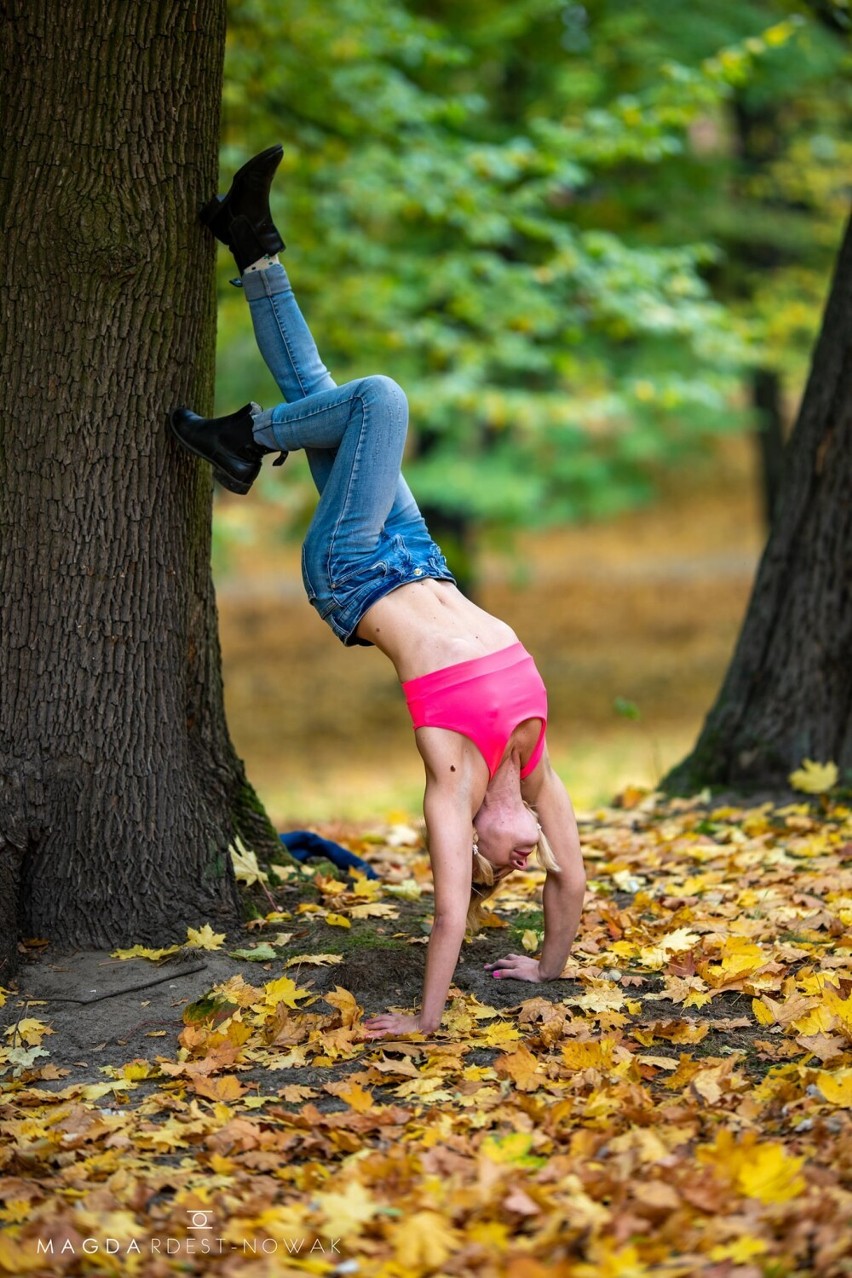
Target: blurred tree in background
<point x="567" y="229"/>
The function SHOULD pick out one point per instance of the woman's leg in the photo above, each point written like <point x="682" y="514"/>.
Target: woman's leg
<point x="358" y="431"/>
<point x="289" y="350"/>
<point x="287" y="345"/>
<point x="283" y="337"/>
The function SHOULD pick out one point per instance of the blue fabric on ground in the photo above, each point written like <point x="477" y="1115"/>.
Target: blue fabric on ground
<point x="304" y="844"/>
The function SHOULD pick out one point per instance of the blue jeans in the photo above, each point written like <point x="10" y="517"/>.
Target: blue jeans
<point x="367" y="536"/>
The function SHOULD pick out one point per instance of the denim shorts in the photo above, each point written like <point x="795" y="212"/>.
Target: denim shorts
<point x="407" y="554"/>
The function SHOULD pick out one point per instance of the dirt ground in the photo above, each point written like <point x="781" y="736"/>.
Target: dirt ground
<point x="106" y="1011"/>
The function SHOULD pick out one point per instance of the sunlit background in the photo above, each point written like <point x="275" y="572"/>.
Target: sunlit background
<point x="592" y="242"/>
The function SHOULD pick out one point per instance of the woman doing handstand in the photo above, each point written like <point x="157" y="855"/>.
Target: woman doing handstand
<point x="373" y="573"/>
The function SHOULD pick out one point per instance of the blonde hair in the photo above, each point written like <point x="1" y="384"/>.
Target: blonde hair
<point x="483" y="885"/>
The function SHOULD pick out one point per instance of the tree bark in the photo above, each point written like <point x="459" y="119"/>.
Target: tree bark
<point x="788" y="692"/>
<point x="769" y="436"/>
<point x="119" y="789"/>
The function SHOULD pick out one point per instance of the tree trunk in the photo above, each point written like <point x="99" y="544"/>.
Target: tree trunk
<point x="769" y="436"/>
<point x="788" y="692"/>
<point x="759" y="135"/>
<point x="119" y="789"/>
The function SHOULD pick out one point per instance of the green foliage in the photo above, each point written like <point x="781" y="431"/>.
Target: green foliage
<point x="530" y="215"/>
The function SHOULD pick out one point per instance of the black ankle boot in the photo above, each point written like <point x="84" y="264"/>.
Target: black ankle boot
<point x="226" y="442"/>
<point x="241" y="219"/>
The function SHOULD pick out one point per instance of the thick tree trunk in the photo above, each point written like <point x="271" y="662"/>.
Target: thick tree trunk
<point x="119" y="789"/>
<point x="788" y="692"/>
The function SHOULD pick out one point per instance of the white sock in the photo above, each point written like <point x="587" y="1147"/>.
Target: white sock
<point x="263" y="263"/>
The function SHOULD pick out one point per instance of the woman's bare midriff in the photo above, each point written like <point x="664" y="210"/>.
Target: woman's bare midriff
<point x="427" y="625"/>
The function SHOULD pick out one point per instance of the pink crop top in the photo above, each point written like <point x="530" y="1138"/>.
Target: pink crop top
<point x="484" y="699"/>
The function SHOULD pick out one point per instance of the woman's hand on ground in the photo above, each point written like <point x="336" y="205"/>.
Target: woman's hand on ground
<point x="391" y="1023"/>
<point x="517" y="967"/>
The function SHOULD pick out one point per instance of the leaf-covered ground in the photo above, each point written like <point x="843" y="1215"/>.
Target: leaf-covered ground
<point x="678" y="1104"/>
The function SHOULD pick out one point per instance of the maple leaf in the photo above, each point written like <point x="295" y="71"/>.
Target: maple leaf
<point x="759" y="1170"/>
<point x="375" y="910"/>
<point x="764" y="1011"/>
<point x="613" y="1261"/>
<point x="353" y="1093"/>
<point x="23" y="1057"/>
<point x="589" y="1054"/>
<point x="657" y="955"/>
<point x="294" y="1059"/>
<point x="738" y="957"/>
<point x="825" y="1047"/>
<point x="814" y="778"/>
<point x="137" y="1069"/>
<point x="314" y="960"/>
<point x="407" y="890"/>
<point x="19" y="1258"/>
<point x="295" y="1093"/>
<point x="283" y="990"/>
<point x="345" y="1212"/>
<point x="714" y="1079"/>
<point x="142" y="951"/>
<point x="771" y="1174"/>
<point x="658" y="1062"/>
<point x="29" y="1030"/>
<point x="836" y="1087"/>
<point x="262" y="953"/>
<point x="601" y="996"/>
<point x="522" y="1067"/>
<point x="204" y="938"/>
<point x="244" y="861"/>
<point x="337" y="920"/>
<point x="423" y="1242"/>
<point x="209" y="1008"/>
<point x="346" y="1004"/>
<point x="227" y="1088"/>
<point x="498" y="1034"/>
<point x="15" y="1211"/>
<point x="741" y="1251"/>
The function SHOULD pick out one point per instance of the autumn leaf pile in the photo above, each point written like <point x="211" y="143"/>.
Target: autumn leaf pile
<point x="679" y="1104"/>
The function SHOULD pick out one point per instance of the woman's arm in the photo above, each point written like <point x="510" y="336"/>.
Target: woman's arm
<point x="449" y="828"/>
<point x="563" y="893"/>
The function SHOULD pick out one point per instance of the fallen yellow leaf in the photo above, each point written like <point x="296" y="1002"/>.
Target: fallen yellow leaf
<point x="424" y="1241"/>
<point x="814" y="778"/>
<point x="29" y="1030"/>
<point x="246" y="868"/>
<point x="142" y="951"/>
<point x="283" y="990"/>
<point x="522" y="1067"/>
<point x="204" y="938"/>
<point x="771" y="1174"/>
<point x="836" y="1086"/>
<point x="226" y="1088"/>
<point x="346" y="1211"/>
